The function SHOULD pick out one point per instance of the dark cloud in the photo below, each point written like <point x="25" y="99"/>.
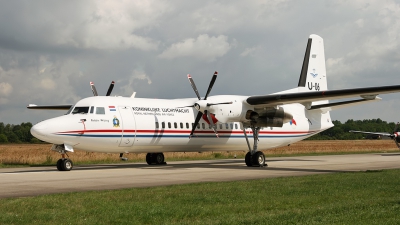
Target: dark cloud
<point x="50" y="51"/>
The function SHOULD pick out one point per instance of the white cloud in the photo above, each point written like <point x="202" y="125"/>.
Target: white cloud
<point x="48" y="84"/>
<point x="136" y="74"/>
<point x="5" y="89"/>
<point x="248" y="51"/>
<point x="203" y="47"/>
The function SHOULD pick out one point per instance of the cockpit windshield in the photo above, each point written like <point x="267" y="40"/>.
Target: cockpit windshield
<point x="80" y="110"/>
<point x="69" y="110"/>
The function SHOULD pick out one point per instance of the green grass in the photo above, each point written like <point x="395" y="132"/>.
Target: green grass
<point x="371" y="197"/>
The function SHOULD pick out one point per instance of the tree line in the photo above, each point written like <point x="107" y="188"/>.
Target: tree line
<point x="341" y="130"/>
<point x="10" y="133"/>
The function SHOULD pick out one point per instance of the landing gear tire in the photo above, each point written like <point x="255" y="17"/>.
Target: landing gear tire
<point x="155" y="158"/>
<point x="259" y="159"/>
<point x="256" y="160"/>
<point x="247" y="159"/>
<point x="149" y="158"/>
<point x="64" y="165"/>
<point x="159" y="158"/>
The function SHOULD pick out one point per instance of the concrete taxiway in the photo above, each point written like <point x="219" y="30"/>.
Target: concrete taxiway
<point x="31" y="181"/>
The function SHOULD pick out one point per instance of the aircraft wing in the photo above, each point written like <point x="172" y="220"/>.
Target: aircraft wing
<point x="377" y="133"/>
<point x="368" y="93"/>
<point x="50" y="107"/>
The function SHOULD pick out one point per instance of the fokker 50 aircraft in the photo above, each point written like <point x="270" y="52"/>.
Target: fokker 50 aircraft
<point x="395" y="136"/>
<point x="212" y="123"/>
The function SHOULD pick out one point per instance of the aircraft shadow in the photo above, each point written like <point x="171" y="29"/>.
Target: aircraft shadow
<point x="234" y="164"/>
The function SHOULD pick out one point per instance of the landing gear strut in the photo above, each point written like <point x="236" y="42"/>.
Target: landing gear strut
<point x="155" y="158"/>
<point x="63" y="164"/>
<point x="122" y="158"/>
<point x="254" y="157"/>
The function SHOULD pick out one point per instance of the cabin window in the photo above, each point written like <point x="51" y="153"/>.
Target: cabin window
<point x="157" y="125"/>
<point x="231" y="125"/>
<point x="198" y="126"/>
<point x="220" y="126"/>
<point x="100" y="110"/>
<point x="163" y="125"/>
<point x="169" y="125"/>
<point x="236" y="127"/>
<point x="187" y="125"/>
<point x="181" y="125"/>
<point x="203" y="126"/>
<point x="227" y="126"/>
<point x="91" y="109"/>
<point x="80" y="110"/>
<point x="175" y="125"/>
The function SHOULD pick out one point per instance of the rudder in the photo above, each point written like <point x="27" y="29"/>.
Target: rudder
<point x="313" y="71"/>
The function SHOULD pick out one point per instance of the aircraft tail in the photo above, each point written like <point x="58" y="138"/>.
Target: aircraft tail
<point x="313" y="71"/>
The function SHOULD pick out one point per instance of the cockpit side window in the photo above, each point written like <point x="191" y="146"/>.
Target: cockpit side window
<point x="100" y="110"/>
<point x="91" y="109"/>
<point x="80" y="110"/>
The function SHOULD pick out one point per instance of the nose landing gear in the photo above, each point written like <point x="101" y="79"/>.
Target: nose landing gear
<point x="63" y="164"/>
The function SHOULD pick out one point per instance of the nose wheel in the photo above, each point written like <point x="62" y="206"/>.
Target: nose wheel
<point x="64" y="164"/>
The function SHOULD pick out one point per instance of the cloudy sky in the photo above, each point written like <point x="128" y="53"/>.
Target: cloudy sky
<point x="51" y="50"/>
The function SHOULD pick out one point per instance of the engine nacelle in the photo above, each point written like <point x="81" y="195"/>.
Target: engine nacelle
<point x="270" y="118"/>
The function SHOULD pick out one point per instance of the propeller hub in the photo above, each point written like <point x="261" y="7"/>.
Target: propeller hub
<point x="201" y="105"/>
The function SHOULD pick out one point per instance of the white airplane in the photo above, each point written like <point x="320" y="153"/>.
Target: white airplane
<point x="395" y="136"/>
<point x="213" y="123"/>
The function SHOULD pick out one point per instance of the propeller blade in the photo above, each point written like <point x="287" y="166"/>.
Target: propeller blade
<point x="185" y="106"/>
<point x="93" y="89"/>
<point x="211" y="122"/>
<point x="199" y="115"/>
<point x="193" y="86"/>
<point x="211" y="84"/>
<point x="110" y="88"/>
<point x="221" y="103"/>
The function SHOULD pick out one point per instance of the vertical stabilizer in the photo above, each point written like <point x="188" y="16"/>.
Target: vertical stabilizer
<point x="313" y="71"/>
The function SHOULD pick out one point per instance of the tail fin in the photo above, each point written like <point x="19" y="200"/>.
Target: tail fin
<point x="313" y="71"/>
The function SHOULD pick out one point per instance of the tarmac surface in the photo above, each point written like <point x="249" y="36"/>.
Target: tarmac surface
<point x="33" y="181"/>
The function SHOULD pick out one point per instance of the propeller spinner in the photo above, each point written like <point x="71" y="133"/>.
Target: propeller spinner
<point x="202" y="105"/>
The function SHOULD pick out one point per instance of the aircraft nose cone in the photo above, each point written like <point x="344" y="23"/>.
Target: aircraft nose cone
<point x="38" y="130"/>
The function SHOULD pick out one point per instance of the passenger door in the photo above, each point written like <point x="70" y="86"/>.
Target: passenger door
<point x="128" y="126"/>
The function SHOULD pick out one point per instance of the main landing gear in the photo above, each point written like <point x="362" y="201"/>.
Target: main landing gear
<point x="155" y="158"/>
<point x="254" y="157"/>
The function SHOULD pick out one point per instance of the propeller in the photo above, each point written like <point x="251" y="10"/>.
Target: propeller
<point x="108" y="91"/>
<point x="202" y="105"/>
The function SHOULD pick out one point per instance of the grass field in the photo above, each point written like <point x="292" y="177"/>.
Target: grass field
<point x="12" y="155"/>
<point x="371" y="197"/>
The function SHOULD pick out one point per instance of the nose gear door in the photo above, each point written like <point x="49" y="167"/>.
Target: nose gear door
<point x="128" y="126"/>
